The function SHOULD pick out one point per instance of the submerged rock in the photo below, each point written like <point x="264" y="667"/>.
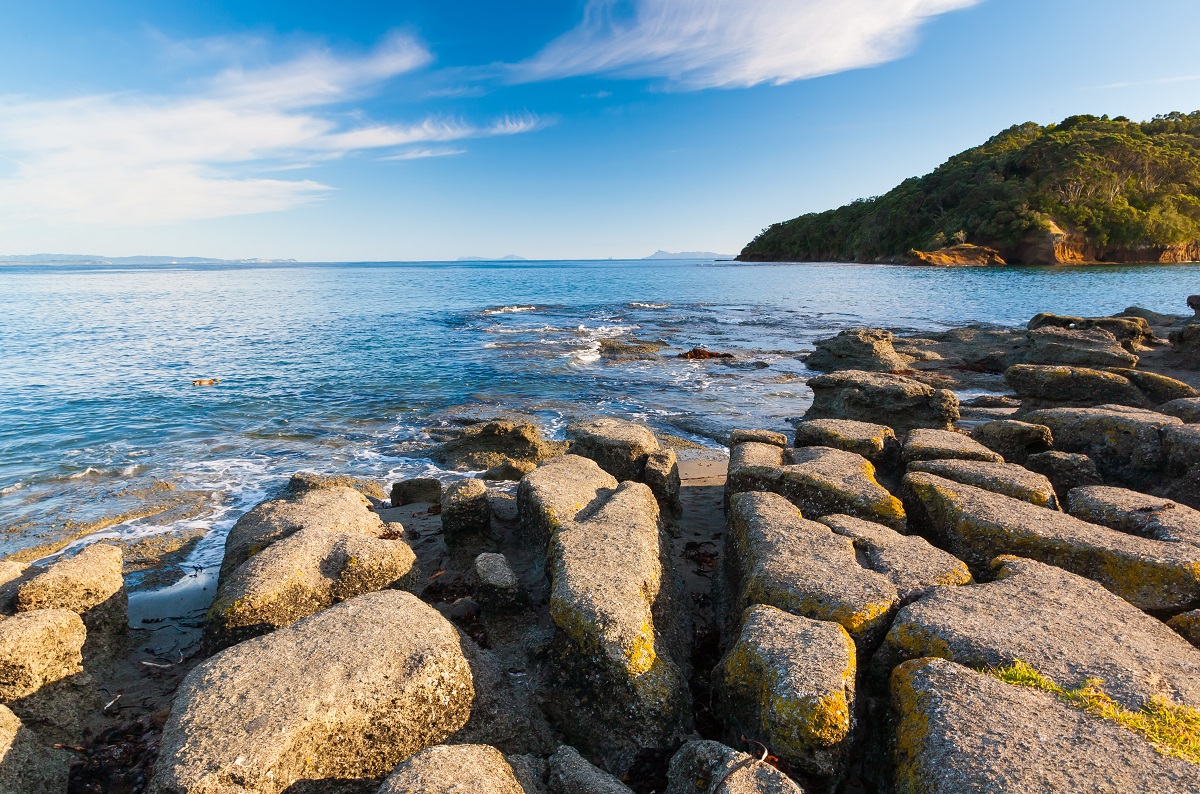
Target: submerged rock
<point x="1014" y="440"/>
<point x="977" y="525"/>
<point x="445" y="769"/>
<point x="876" y="443"/>
<point x="866" y="349"/>
<point x="959" y="730"/>
<point x="901" y="403"/>
<point x="788" y="683"/>
<point x="347" y="693"/>
<point x="774" y="556"/>
<point x="707" y="767"/>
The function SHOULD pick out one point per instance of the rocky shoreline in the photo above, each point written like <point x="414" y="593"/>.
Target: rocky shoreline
<point x="909" y="592"/>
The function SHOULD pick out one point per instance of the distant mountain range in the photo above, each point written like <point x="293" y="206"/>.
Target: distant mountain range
<point x="87" y="259"/>
<point x="687" y="255"/>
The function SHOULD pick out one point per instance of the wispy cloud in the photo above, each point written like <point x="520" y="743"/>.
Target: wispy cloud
<point x="1180" y="78"/>
<point x="694" y="44"/>
<point x="139" y="159"/>
<point x="424" y="153"/>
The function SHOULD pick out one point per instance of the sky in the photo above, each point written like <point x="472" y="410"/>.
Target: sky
<point x="438" y="129"/>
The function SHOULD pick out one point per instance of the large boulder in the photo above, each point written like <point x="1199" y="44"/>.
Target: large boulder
<point x="1186" y="344"/>
<point x="911" y="563"/>
<point x="39" y="648"/>
<point x="876" y="443"/>
<point x="707" y="767"/>
<point x="1092" y="347"/>
<point x="1065" y="471"/>
<point x="347" y="693"/>
<point x="416" y="490"/>
<point x="27" y="765"/>
<point x="1181" y="445"/>
<point x="1067" y="627"/>
<point x="1003" y="478"/>
<point x="447" y="769"/>
<point x="497" y="443"/>
<point x="899" y="402"/>
<point x="304" y="481"/>
<point x="1135" y="513"/>
<point x="1132" y="331"/>
<point x="628" y="451"/>
<point x="571" y="773"/>
<point x="977" y="525"/>
<point x="866" y="349"/>
<point x="89" y="584"/>
<point x="926" y="444"/>
<point x="466" y="512"/>
<point x="619" y="677"/>
<point x="775" y="556"/>
<point x="1186" y="409"/>
<point x="1014" y="440"/>
<point x="958" y="730"/>
<point x="1056" y="386"/>
<point x="301" y="575"/>
<point x="818" y="480"/>
<point x="336" y="509"/>
<point x="1157" y="388"/>
<point x="1126" y="444"/>
<point x="788" y="683"/>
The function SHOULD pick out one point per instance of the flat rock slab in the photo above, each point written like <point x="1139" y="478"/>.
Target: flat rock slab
<point x="977" y="525"/>
<point x="958" y="730"/>
<point x="336" y="509"/>
<point x="899" y="402"/>
<point x="1002" y="478"/>
<point x="558" y="491"/>
<point x="27" y="765"/>
<point x="788" y="682"/>
<point x="925" y="444"/>
<point x="876" y="443"/>
<point x="448" y="769"/>
<point x="628" y="451"/>
<point x="912" y="564"/>
<point x="347" y="693"/>
<point x="707" y="767"/>
<point x="38" y="648"/>
<point x="757" y="436"/>
<point x="868" y="349"/>
<point x="1090" y="347"/>
<point x="1068" y="628"/>
<point x="1063" y="385"/>
<point x="1126" y="444"/>
<point x="1135" y="513"/>
<point x="1013" y="439"/>
<point x="1157" y="388"/>
<point x="777" y="557"/>
<point x="302" y="574"/>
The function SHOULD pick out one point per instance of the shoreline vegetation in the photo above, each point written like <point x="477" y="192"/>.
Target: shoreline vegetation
<point x="911" y="591"/>
<point x="1088" y="190"/>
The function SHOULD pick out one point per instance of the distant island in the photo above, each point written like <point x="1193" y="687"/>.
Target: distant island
<point x="1088" y="189"/>
<point x="506" y="258"/>
<point x="660" y="254"/>
<point x="89" y="259"/>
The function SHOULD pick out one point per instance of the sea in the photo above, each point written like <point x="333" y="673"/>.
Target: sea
<point x="342" y="368"/>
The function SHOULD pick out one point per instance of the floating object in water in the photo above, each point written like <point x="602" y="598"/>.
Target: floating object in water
<point x="206" y="381"/>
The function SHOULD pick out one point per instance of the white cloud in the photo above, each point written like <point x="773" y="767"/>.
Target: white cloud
<point x="694" y="44"/>
<point x="136" y="159"/>
<point x="424" y="153"/>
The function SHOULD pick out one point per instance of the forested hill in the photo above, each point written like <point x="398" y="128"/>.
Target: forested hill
<point x="1086" y="189"/>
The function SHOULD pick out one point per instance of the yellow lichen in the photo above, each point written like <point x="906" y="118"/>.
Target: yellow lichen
<point x="1171" y="729"/>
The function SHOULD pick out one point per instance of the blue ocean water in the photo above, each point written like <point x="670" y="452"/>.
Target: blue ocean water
<point x="340" y="367"/>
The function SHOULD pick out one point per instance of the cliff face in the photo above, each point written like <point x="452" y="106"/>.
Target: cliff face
<point x="1085" y="190"/>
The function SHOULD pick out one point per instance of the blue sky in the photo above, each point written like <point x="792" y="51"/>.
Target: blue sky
<point x="571" y="129"/>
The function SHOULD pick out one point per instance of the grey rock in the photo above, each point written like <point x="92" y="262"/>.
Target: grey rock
<point x="1068" y="628"/>
<point x="337" y="509"/>
<point x="1065" y="471"/>
<point x="977" y="525"/>
<point x="571" y="773"/>
<point x="27" y="765"/>
<point x="530" y="771"/>
<point x="1131" y="329"/>
<point x="1157" y="388"/>
<point x="926" y="444"/>
<point x="957" y="730"/>
<point x="497" y="442"/>
<point x="1126" y="444"/>
<point x="1091" y="347"/>
<point x="1057" y="386"/>
<point x="453" y="769"/>
<point x="901" y="403"/>
<point x="788" y="683"/>
<point x="89" y="584"/>
<point x="1135" y="513"/>
<point x="504" y="505"/>
<point x="1013" y="439"/>
<point x="707" y="767"/>
<point x="628" y="451"/>
<point x="466" y="511"/>
<point x="774" y="556"/>
<point x="866" y="349"/>
<point x="1186" y="409"/>
<point x="301" y="575"/>
<point x="911" y="563"/>
<point x="347" y="693"/>
<point x="757" y="436"/>
<point x="39" y="648"/>
<point x="1186" y="344"/>
<point x="416" y="490"/>
<point x="1002" y="478"/>
<point x="499" y="587"/>
<point x="876" y="443"/>
<point x="304" y="481"/>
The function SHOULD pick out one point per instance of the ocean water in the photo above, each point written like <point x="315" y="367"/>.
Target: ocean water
<point x="340" y="367"/>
